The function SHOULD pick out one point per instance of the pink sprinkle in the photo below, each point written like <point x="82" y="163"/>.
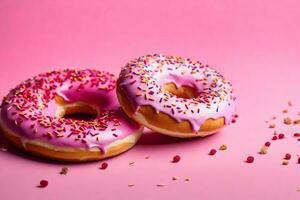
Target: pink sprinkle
<point x="104" y="165"/>
<point x="267" y="144"/>
<point x="274" y="137"/>
<point x="212" y="152"/>
<point x="43" y="183"/>
<point x="250" y="159"/>
<point x="281" y="136"/>
<point x="287" y="156"/>
<point x="176" y="159"/>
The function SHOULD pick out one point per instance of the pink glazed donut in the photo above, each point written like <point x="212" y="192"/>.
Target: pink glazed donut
<point x="175" y="96"/>
<point x="32" y="116"/>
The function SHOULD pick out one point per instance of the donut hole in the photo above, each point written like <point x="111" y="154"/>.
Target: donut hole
<point x="76" y="110"/>
<point x="80" y="112"/>
<point x="183" y="91"/>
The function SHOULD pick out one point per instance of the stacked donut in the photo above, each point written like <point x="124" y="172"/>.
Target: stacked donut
<point x="168" y="94"/>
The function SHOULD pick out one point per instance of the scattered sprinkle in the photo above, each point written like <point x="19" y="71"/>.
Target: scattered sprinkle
<point x="267" y="144"/>
<point x="104" y="165"/>
<point x="272" y="126"/>
<point x="130" y="185"/>
<point x="287" y="156"/>
<point x="297" y="121"/>
<point x="147" y="157"/>
<point x="174" y="178"/>
<point x="160" y="185"/>
<point x="212" y="152"/>
<point x="187" y="179"/>
<point x="287" y="121"/>
<point x="263" y="150"/>
<point x="285" y="162"/>
<point x="285" y="111"/>
<point x="176" y="159"/>
<point x="281" y="136"/>
<point x="43" y="183"/>
<point x="274" y="137"/>
<point x="64" y="171"/>
<point x="250" y="159"/>
<point x="223" y="147"/>
<point x="296" y="134"/>
<point x="131" y="163"/>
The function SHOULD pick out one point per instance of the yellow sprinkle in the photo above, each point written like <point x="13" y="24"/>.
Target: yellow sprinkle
<point x="263" y="150"/>
<point x="223" y="147"/>
<point x="285" y="162"/>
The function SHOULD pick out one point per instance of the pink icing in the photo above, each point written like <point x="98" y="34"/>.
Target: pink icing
<point x="29" y="109"/>
<point x="142" y="80"/>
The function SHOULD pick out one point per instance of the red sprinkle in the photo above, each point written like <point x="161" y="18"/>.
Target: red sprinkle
<point x="176" y="159"/>
<point x="267" y="144"/>
<point x="287" y="156"/>
<point x="281" y="136"/>
<point x="43" y="183"/>
<point x="274" y="137"/>
<point x="104" y="165"/>
<point x="296" y="134"/>
<point x="298" y="139"/>
<point x="299" y="160"/>
<point x="212" y="152"/>
<point x="233" y="121"/>
<point x="250" y="159"/>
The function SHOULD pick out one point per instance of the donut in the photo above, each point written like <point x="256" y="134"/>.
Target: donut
<point x="175" y="96"/>
<point x="35" y="116"/>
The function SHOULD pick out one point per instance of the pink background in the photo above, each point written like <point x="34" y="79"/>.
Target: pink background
<point x="255" y="44"/>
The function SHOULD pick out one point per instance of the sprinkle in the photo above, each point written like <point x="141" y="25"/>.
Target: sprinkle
<point x="267" y="144"/>
<point x="298" y="189"/>
<point x="64" y="171"/>
<point x="250" y="159"/>
<point x="297" y="121"/>
<point x="272" y="126"/>
<point x="212" y="152"/>
<point x="187" y="179"/>
<point x="287" y="121"/>
<point x="174" y="178"/>
<point x="131" y="163"/>
<point x="285" y="111"/>
<point x="263" y="150"/>
<point x="130" y="185"/>
<point x="281" y="136"/>
<point x="147" y="157"/>
<point x="298" y="160"/>
<point x="223" y="147"/>
<point x="290" y="103"/>
<point x="160" y="185"/>
<point x="287" y="156"/>
<point x="176" y="159"/>
<point x="43" y="183"/>
<point x="274" y="137"/>
<point x="285" y="162"/>
<point x="296" y="134"/>
<point x="104" y="165"/>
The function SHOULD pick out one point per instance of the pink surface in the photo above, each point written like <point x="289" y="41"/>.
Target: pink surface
<point x="255" y="44"/>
